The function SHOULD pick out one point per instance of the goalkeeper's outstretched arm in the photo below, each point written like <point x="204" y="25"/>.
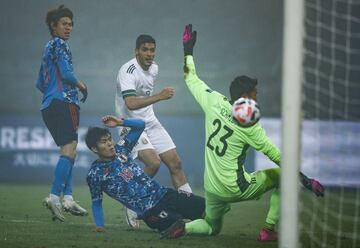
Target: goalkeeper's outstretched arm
<point x="312" y="184"/>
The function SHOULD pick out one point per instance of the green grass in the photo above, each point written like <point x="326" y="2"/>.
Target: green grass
<point x="24" y="222"/>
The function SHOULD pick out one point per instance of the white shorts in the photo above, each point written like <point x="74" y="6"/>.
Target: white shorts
<point x="153" y="137"/>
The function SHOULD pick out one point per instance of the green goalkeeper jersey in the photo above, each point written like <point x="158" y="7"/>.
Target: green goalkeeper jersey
<point x="226" y="143"/>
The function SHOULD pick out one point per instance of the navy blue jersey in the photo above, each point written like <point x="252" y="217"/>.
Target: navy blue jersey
<point x="56" y="78"/>
<point x="122" y="179"/>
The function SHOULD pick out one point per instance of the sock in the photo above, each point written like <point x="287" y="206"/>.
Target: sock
<point x="68" y="197"/>
<point x="268" y="226"/>
<point x="62" y="169"/>
<point x="273" y="214"/>
<point x="54" y="198"/>
<point x="68" y="182"/>
<point x="185" y="187"/>
<point x="199" y="226"/>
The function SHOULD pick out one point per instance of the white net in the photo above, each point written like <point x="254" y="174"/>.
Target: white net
<point x="331" y="125"/>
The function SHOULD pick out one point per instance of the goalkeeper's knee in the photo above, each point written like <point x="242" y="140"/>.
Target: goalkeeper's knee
<point x="215" y="225"/>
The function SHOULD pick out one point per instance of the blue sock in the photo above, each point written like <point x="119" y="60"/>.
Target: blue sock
<point x="61" y="174"/>
<point x="68" y="182"/>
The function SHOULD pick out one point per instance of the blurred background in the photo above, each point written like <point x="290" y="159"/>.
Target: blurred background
<point x="234" y="38"/>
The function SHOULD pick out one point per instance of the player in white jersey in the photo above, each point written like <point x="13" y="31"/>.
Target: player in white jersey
<point x="135" y="99"/>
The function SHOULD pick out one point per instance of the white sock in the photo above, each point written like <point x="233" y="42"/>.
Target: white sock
<point x="185" y="187"/>
<point x="54" y="198"/>
<point x="68" y="197"/>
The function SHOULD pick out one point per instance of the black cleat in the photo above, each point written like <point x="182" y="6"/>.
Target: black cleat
<point x="175" y="231"/>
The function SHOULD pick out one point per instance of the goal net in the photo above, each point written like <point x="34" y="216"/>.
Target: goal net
<point x="330" y="128"/>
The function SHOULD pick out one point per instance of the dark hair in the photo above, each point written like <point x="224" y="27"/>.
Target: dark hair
<point x="94" y="134"/>
<point x="242" y="86"/>
<point x="54" y="15"/>
<point x="144" y="38"/>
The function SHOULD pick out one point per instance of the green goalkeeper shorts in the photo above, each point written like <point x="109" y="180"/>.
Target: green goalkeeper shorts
<point x="217" y="206"/>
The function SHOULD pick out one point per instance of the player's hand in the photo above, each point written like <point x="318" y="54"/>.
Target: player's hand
<point x="189" y="40"/>
<point x="112" y="121"/>
<point x="167" y="93"/>
<point x="317" y="187"/>
<point x="99" y="229"/>
<point x="83" y="89"/>
<point x="312" y="184"/>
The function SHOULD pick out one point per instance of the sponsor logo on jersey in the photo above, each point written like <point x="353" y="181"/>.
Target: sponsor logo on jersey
<point x="163" y="214"/>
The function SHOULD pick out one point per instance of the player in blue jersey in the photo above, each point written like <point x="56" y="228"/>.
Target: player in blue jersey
<point x="60" y="108"/>
<point x="116" y="174"/>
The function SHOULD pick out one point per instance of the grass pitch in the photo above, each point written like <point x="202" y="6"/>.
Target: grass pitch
<point x="24" y="222"/>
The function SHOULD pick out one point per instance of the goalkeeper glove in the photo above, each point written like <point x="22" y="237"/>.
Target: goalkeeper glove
<point x="312" y="185"/>
<point x="189" y="39"/>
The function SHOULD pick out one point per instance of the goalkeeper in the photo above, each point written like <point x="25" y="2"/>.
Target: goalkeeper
<point x="225" y="180"/>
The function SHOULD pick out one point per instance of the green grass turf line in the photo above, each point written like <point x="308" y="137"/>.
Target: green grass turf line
<point x="24" y="222"/>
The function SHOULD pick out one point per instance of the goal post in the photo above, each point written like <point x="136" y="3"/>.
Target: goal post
<point x="291" y="121"/>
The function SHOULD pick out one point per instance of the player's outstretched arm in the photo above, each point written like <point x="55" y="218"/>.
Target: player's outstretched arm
<point x="137" y="127"/>
<point x="189" y="40"/>
<point x="98" y="214"/>
<point x="312" y="184"/>
<point x="112" y="121"/>
<point x="136" y="102"/>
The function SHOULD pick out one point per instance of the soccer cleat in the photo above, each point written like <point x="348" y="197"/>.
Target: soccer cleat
<point x="267" y="235"/>
<point x="131" y="219"/>
<point x="55" y="209"/>
<point x="175" y="231"/>
<point x="72" y="207"/>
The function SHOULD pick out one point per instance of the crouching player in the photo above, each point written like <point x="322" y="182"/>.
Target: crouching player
<point x="116" y="174"/>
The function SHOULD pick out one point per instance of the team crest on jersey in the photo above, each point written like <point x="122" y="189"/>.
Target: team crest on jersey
<point x="123" y="158"/>
<point x="144" y="141"/>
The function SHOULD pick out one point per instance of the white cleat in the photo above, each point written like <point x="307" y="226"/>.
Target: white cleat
<point x="131" y="219"/>
<point x="72" y="207"/>
<point x="55" y="209"/>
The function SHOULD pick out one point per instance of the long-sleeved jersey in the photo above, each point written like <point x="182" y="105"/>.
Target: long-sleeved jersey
<point x="56" y="78"/>
<point x="122" y="179"/>
<point x="226" y="142"/>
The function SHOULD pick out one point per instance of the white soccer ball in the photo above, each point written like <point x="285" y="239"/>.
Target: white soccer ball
<point x="246" y="112"/>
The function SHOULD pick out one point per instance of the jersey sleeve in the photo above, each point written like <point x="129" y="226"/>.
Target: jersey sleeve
<point x="198" y="88"/>
<point x="64" y="64"/>
<point x="136" y="128"/>
<point x="126" y="83"/>
<point x="98" y="213"/>
<point x="257" y="138"/>
<point x="40" y="80"/>
<point x="96" y="193"/>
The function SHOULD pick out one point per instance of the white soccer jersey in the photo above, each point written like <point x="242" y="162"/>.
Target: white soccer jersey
<point x="132" y="80"/>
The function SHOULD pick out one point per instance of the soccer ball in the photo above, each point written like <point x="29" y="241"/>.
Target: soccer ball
<point x="246" y="112"/>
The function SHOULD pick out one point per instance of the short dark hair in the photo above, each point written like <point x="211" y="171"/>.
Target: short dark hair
<point x="241" y="86"/>
<point x="94" y="134"/>
<point x="144" y="38"/>
<point x="54" y="15"/>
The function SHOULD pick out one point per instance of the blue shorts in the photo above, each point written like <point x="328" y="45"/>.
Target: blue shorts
<point x="62" y="121"/>
<point x="174" y="206"/>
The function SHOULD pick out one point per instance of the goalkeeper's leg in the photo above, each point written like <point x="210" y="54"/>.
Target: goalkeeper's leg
<point x="215" y="209"/>
<point x="263" y="181"/>
<point x="272" y="180"/>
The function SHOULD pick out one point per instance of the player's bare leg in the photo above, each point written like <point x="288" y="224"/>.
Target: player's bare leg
<point x="151" y="160"/>
<point x="173" y="162"/>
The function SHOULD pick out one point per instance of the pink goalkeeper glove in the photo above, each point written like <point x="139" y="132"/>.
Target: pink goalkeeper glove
<point x="312" y="184"/>
<point x="317" y="188"/>
<point x="189" y="39"/>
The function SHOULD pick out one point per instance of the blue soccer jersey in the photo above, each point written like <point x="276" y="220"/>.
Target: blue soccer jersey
<point x="122" y="179"/>
<point x="56" y="78"/>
